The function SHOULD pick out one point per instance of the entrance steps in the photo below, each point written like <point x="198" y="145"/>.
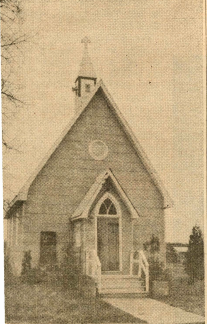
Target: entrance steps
<point x="121" y="285"/>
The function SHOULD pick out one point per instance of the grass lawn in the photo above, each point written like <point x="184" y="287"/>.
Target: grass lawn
<point x="190" y="298"/>
<point x="43" y="303"/>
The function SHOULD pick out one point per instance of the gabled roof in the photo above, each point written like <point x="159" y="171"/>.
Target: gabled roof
<point x="22" y="195"/>
<point x="82" y="211"/>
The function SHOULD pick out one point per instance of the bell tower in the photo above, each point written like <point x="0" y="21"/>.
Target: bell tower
<point x="86" y="79"/>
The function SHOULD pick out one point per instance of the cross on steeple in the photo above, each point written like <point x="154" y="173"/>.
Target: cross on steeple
<point x="86" y="41"/>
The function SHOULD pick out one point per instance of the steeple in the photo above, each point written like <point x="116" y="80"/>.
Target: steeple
<point x="86" y="66"/>
<point x="86" y="79"/>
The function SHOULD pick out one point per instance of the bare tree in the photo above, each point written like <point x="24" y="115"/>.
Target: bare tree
<point x="12" y="39"/>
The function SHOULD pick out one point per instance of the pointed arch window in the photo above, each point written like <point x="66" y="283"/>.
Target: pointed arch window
<point x="107" y="208"/>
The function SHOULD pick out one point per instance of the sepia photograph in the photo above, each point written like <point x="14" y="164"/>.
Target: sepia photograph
<point x="103" y="149"/>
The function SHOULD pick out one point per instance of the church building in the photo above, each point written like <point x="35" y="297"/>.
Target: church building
<point x="95" y="197"/>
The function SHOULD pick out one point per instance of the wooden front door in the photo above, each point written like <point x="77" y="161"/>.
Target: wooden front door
<point x="108" y="243"/>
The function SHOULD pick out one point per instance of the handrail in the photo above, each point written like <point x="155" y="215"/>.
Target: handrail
<point x="93" y="267"/>
<point x="143" y="266"/>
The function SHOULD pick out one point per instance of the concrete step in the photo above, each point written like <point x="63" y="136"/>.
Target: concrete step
<point x="121" y="285"/>
<point x="121" y="282"/>
<point x="121" y="291"/>
<point x="124" y="295"/>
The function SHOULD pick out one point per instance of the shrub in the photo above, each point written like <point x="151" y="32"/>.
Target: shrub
<point x="87" y="287"/>
<point x="31" y="275"/>
<point x="153" y="245"/>
<point x="26" y="263"/>
<point x="194" y="264"/>
<point x="8" y="275"/>
<point x="34" y="276"/>
<point x="68" y="274"/>
<point x="156" y="267"/>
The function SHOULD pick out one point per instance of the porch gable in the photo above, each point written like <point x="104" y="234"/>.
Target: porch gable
<point x="82" y="211"/>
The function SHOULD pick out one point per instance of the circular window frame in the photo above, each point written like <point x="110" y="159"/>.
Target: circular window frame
<point x="101" y="156"/>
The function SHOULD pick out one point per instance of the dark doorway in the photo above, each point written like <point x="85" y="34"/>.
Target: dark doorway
<point x="48" y="241"/>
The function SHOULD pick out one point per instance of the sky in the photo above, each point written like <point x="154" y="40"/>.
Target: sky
<point x="149" y="54"/>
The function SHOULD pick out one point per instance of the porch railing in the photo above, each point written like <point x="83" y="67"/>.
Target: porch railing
<point x="138" y="257"/>
<point x="93" y="267"/>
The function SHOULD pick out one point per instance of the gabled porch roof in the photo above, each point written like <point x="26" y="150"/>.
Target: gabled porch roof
<point x="82" y="211"/>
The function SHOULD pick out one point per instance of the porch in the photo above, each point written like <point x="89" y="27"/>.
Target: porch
<point x="102" y="228"/>
<point x="137" y="282"/>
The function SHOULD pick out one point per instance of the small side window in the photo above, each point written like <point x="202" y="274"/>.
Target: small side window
<point x="48" y="254"/>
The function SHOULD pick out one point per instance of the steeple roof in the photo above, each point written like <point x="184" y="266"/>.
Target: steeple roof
<point x="86" y="66"/>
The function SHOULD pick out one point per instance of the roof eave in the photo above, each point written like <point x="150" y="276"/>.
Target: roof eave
<point x="168" y="202"/>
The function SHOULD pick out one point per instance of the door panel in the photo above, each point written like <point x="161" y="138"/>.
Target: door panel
<point x="113" y="244"/>
<point x="108" y="243"/>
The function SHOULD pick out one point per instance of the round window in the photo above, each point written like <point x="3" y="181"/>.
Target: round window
<point x="98" y="150"/>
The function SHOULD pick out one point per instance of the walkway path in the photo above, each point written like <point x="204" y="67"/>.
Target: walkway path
<point x="154" y="312"/>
